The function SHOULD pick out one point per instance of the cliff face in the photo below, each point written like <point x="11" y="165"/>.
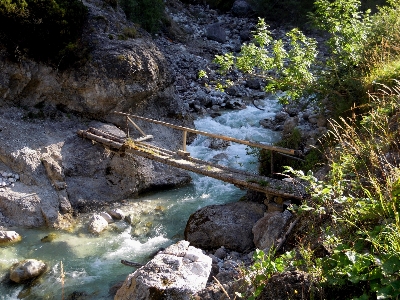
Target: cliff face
<point x="122" y="70"/>
<point x="59" y="172"/>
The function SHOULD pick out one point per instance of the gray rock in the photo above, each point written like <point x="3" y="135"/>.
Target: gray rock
<point x="268" y="229"/>
<point x="216" y="32"/>
<point x="226" y="225"/>
<point x="218" y="144"/>
<point x="116" y="213"/>
<point x="97" y="224"/>
<point x="9" y="237"/>
<point x="176" y="273"/>
<point x="289" y="125"/>
<point x="26" y="270"/>
<point x="220" y="253"/>
<point x="107" y="217"/>
<point x="281" y="116"/>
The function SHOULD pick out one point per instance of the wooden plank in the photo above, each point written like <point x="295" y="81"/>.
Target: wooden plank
<point x="217" y="136"/>
<point x="239" y="178"/>
<point x="100" y="139"/>
<point x="248" y="181"/>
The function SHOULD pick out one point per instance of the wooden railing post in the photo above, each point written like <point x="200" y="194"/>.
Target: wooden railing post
<point x="127" y="126"/>
<point x="184" y="140"/>
<point x="272" y="163"/>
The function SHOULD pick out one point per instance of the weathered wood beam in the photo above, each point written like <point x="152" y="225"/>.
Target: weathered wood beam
<point x="217" y="136"/>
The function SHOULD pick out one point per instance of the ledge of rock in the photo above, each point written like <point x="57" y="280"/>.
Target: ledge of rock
<point x="226" y="225"/>
<point x="176" y="273"/>
<point x="26" y="270"/>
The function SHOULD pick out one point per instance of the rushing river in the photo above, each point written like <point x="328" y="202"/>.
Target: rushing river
<point x="91" y="264"/>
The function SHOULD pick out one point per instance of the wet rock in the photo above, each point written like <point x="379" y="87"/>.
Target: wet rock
<point x="226" y="225"/>
<point x="175" y="273"/>
<point x="268" y="229"/>
<point x="9" y="237"/>
<point x="132" y="219"/>
<point x="218" y="144"/>
<point x="49" y="238"/>
<point x="26" y="270"/>
<point x="116" y="214"/>
<point x="216" y="32"/>
<point x="268" y="123"/>
<point x="97" y="224"/>
<point x="107" y="217"/>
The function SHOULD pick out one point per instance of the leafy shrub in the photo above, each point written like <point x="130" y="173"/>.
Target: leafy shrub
<point x="147" y="13"/>
<point x="41" y="29"/>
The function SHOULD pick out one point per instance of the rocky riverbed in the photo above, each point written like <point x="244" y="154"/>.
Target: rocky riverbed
<point x="48" y="174"/>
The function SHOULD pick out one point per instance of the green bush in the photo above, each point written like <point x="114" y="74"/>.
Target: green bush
<point x="41" y="29"/>
<point x="147" y="13"/>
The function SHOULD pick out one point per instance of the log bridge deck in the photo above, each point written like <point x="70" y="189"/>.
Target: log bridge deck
<point x="182" y="159"/>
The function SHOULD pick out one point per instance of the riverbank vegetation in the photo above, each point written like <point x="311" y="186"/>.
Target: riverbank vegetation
<point x="349" y="238"/>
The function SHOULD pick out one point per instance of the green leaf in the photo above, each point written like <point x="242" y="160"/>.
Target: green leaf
<point x="392" y="265"/>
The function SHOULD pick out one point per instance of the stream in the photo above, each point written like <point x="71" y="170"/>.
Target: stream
<point x="91" y="264"/>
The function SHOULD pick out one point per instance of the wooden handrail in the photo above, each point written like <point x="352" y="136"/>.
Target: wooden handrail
<point x="217" y="136"/>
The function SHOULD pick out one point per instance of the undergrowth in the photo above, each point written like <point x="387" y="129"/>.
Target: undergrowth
<point x="359" y="204"/>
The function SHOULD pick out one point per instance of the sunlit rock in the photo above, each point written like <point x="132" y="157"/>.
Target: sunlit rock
<point x="9" y="237"/>
<point x="97" y="224"/>
<point x="26" y="270"/>
<point x="176" y="273"/>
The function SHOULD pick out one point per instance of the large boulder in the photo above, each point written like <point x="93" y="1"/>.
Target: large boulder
<point x="176" y="273"/>
<point x="226" y="225"/>
<point x="270" y="228"/>
<point x="26" y="270"/>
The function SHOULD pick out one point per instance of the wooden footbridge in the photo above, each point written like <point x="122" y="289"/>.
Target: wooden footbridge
<point x="182" y="159"/>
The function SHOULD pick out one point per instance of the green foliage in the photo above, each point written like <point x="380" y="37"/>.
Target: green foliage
<point x="265" y="265"/>
<point x="147" y="13"/>
<point x="284" y="64"/>
<point x="348" y="29"/>
<point x="363" y="197"/>
<point x="42" y="29"/>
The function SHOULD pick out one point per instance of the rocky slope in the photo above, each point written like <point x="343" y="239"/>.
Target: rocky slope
<point x="58" y="172"/>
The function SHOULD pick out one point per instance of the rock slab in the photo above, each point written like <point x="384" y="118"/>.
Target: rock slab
<point x="176" y="273"/>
